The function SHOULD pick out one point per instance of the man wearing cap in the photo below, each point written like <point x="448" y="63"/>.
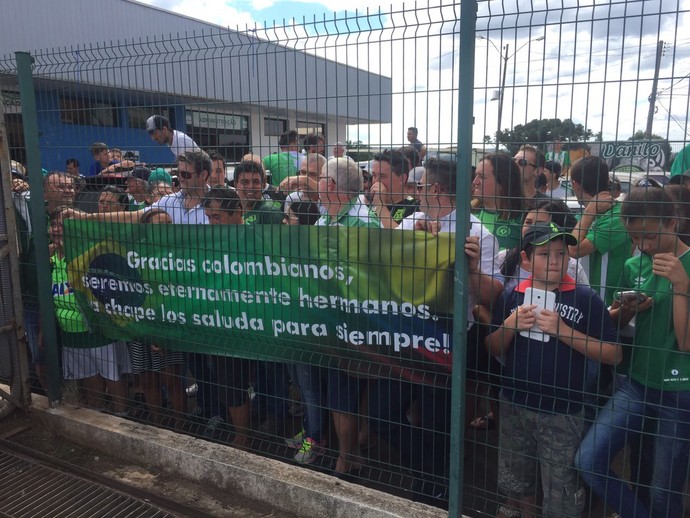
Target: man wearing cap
<point x="600" y="231"/>
<point x="554" y="189"/>
<point x="160" y="130"/>
<point x="386" y="196"/>
<point x="138" y="186"/>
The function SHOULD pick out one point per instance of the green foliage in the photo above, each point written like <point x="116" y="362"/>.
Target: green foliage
<point x="542" y="133"/>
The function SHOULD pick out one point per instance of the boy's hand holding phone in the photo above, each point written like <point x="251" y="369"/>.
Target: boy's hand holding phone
<point x="522" y="319"/>
<point x="549" y="322"/>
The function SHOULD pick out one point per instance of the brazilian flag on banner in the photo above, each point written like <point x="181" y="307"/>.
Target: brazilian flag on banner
<point x="376" y="302"/>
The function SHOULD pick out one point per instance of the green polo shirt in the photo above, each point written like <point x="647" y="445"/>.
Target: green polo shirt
<point x="656" y="361"/>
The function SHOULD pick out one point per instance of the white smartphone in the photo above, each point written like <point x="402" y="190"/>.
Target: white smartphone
<point x="543" y="300"/>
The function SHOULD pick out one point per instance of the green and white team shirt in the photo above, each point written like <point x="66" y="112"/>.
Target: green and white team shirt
<point x="354" y="214"/>
<point x="612" y="247"/>
<point x="656" y="361"/>
<point x="508" y="232"/>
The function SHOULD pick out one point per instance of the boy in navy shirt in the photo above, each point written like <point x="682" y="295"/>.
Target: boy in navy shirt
<point x="544" y="381"/>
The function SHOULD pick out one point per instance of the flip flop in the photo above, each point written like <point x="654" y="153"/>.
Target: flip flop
<point x="486" y="422"/>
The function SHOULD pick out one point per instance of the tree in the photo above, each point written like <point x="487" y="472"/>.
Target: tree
<point x="542" y="133"/>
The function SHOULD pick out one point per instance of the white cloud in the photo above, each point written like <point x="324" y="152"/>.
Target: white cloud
<point x="594" y="66"/>
<point x="218" y="12"/>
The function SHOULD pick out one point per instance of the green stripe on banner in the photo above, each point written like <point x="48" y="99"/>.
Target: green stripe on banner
<point x="287" y="293"/>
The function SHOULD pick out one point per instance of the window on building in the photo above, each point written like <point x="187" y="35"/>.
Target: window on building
<point x="304" y="128"/>
<point x="274" y="127"/>
<point x="224" y="132"/>
<point x="85" y="112"/>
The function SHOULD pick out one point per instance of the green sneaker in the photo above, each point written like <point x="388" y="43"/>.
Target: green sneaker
<point x="309" y="452"/>
<point x="296" y="441"/>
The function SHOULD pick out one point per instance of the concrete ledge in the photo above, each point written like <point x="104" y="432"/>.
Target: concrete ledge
<point x="288" y="487"/>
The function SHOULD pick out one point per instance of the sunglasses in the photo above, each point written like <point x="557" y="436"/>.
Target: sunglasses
<point x="186" y="174"/>
<point x="522" y="163"/>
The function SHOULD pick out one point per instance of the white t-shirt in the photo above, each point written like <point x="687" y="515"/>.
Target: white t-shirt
<point x="182" y="142"/>
<point x="487" y="243"/>
<point x="173" y="205"/>
<point x="559" y="192"/>
<point x="299" y="196"/>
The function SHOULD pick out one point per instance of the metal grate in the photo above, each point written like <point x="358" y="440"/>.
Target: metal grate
<point x="31" y="489"/>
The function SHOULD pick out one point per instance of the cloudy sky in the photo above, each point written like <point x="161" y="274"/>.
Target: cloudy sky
<point x="592" y="61"/>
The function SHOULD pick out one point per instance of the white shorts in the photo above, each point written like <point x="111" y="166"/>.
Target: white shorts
<point x="110" y="361"/>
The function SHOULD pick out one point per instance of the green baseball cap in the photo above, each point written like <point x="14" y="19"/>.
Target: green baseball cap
<point x="160" y="175"/>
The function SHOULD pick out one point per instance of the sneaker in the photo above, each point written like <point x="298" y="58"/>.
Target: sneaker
<point x="214" y="427"/>
<point x="309" y="452"/>
<point x="296" y="441"/>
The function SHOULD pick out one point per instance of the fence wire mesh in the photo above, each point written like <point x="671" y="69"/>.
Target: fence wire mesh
<point x="252" y="240"/>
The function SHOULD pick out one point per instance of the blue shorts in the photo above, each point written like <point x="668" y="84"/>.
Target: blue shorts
<point x="343" y="391"/>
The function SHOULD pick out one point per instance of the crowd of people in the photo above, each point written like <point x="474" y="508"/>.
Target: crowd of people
<point x="569" y="382"/>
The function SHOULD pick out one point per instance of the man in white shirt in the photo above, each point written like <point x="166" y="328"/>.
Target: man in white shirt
<point x="554" y="188"/>
<point x="160" y="130"/>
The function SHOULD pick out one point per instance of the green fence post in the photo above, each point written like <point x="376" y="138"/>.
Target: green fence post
<point x="468" y="20"/>
<point x="39" y="226"/>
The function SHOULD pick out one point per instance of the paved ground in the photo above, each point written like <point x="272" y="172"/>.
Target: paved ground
<point x="24" y="429"/>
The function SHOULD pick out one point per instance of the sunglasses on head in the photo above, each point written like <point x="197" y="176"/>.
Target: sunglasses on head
<point x="522" y="163"/>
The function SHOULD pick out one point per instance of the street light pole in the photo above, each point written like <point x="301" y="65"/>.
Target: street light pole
<point x="505" y="57"/>
<point x="500" y="95"/>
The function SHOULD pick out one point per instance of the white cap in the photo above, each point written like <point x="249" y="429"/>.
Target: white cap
<point x="415" y="175"/>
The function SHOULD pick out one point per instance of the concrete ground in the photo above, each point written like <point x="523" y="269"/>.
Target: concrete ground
<point x="224" y="475"/>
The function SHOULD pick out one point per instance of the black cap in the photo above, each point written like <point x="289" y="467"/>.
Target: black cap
<point x="140" y="172"/>
<point x="541" y="233"/>
<point x="554" y="167"/>
<point x="155" y="122"/>
<point x="678" y="178"/>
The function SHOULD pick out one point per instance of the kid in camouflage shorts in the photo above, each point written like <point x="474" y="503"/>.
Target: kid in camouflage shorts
<point x="544" y="380"/>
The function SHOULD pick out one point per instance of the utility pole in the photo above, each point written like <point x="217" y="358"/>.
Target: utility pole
<point x="652" y="97"/>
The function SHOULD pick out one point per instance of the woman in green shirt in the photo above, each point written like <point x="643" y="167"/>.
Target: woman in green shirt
<point x="657" y="390"/>
<point x="497" y="188"/>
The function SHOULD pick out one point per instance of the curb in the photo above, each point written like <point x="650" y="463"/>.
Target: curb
<point x="285" y="486"/>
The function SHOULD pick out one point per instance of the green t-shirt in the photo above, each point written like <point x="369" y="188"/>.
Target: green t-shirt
<point x="508" y="232"/>
<point x="681" y="162"/>
<point x="656" y="361"/>
<point x="67" y="311"/>
<point x="612" y="247"/>
<point x="281" y="165"/>
<point x="265" y="213"/>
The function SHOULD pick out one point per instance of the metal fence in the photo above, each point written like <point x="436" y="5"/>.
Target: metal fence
<point x="351" y="348"/>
